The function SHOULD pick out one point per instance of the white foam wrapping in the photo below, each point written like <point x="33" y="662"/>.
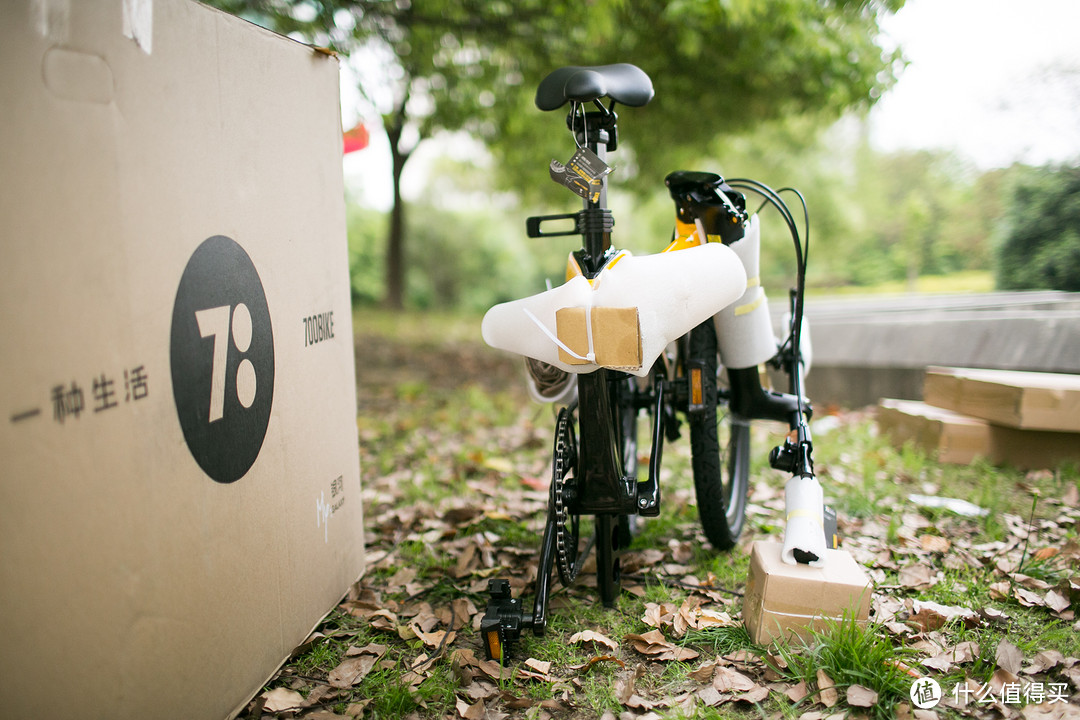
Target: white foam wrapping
<point x="673" y="292"/>
<point x="744" y="335"/>
<point x="805" y="526"/>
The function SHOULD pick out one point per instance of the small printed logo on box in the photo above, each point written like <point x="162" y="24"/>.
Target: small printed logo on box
<point x="925" y="693"/>
<point x="221" y="352"/>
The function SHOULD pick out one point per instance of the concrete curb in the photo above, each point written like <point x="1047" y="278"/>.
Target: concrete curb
<point x="867" y="348"/>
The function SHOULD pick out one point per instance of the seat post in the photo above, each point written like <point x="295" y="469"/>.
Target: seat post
<point x="600" y="134"/>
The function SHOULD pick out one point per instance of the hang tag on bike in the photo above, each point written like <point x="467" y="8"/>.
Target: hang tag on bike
<point x="583" y="174"/>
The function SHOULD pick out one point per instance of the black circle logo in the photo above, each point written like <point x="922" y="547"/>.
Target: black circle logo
<point x="222" y="356"/>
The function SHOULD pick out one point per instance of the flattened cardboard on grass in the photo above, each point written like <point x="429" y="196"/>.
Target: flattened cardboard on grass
<point x="785" y="601"/>
<point x="955" y="438"/>
<point x="960" y="439"/>
<point x="180" y="499"/>
<point x="1012" y="398"/>
<point x="616" y="335"/>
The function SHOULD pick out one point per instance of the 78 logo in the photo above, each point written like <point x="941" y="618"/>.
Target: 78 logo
<point x="221" y="355"/>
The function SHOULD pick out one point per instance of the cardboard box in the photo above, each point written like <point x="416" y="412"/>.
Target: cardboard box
<point x="616" y="335"/>
<point x="180" y="494"/>
<point x="1012" y="398"/>
<point x="953" y="437"/>
<point x="959" y="439"/>
<point x="786" y="601"/>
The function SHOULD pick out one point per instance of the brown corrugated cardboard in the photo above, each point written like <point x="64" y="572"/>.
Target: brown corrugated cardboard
<point x="1013" y="398"/>
<point x="1033" y="449"/>
<point x="616" y="336"/>
<point x="959" y="439"/>
<point x="786" y="601"/>
<point x="180" y="499"/>
<point x="955" y="438"/>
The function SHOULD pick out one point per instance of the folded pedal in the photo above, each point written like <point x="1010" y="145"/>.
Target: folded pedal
<point x="502" y="622"/>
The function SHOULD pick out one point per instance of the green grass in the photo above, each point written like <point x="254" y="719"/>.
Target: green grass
<point x="852" y="653"/>
<point x="972" y="281"/>
<point x="442" y="442"/>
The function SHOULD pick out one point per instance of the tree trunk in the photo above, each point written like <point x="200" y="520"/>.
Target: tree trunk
<point x="395" y="240"/>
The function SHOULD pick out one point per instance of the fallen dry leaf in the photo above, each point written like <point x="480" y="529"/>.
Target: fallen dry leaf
<point x="351" y="671"/>
<point x="710" y="696"/>
<point x="704" y="672"/>
<point x="1045" y="553"/>
<point x="926" y="620"/>
<point x="827" y="694"/>
<point x="729" y="680"/>
<point x="537" y="670"/>
<point x="281" y="699"/>
<point x="596" y="660"/>
<point x="934" y="543"/>
<point x="586" y="637"/>
<point x="1056" y="601"/>
<point x="494" y="670"/>
<point x="1008" y="657"/>
<point x="1046" y="660"/>
<point x="797" y="692"/>
<point x="376" y="649"/>
<point x="754" y="695"/>
<point x="917" y="576"/>
<point x="1027" y="598"/>
<point x="470" y="712"/>
<point x="654" y="644"/>
<point x="859" y="696"/>
<point x="438" y="638"/>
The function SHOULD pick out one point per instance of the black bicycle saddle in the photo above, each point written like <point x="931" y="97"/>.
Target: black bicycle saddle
<point x="622" y="82"/>
<point x="681" y="182"/>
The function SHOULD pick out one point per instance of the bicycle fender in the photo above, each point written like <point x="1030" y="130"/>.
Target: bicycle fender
<point x="672" y="293"/>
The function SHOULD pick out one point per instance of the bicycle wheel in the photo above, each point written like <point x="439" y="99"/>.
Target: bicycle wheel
<point x="719" y="448"/>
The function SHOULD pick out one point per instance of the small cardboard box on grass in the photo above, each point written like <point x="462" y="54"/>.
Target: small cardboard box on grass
<point x="784" y="601"/>
<point x="180" y="494"/>
<point x="1011" y="398"/>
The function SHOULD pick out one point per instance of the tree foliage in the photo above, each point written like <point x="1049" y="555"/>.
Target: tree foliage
<point x="718" y="69"/>
<point x="1041" y="244"/>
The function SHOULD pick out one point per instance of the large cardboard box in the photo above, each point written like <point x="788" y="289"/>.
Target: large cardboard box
<point x="783" y="602"/>
<point x="180" y="491"/>
<point x="1013" y="398"/>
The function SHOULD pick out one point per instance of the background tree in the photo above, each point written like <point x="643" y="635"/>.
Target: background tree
<point x="1041" y="243"/>
<point x="718" y="68"/>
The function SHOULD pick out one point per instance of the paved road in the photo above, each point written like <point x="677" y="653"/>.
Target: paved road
<point x="866" y="348"/>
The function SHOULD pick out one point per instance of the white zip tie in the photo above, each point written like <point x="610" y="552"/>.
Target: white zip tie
<point x="590" y="357"/>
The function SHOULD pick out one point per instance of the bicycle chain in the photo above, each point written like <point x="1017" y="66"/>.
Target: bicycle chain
<point x="565" y="455"/>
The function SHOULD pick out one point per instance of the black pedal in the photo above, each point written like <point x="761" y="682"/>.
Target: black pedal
<point x="502" y="622"/>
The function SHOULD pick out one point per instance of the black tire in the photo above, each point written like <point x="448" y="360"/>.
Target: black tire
<point x="719" y="449"/>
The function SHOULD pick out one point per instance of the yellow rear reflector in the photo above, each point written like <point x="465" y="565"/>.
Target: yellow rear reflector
<point x="494" y="647"/>
<point x="697" y="395"/>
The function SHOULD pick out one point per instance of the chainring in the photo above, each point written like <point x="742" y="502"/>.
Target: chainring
<point x="564" y="466"/>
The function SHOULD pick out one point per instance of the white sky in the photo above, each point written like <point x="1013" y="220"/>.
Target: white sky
<point x="998" y="81"/>
<point x="981" y="80"/>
